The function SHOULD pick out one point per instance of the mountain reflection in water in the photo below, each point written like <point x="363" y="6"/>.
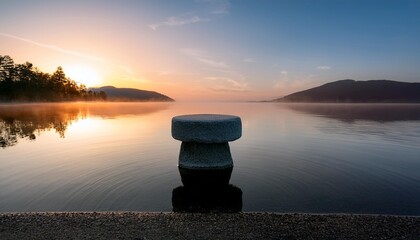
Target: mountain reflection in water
<point x="18" y="121"/>
<point x="354" y="112"/>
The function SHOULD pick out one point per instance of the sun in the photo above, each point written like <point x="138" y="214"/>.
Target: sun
<point x="83" y="74"/>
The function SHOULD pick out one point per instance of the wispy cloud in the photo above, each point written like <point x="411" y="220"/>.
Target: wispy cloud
<point x="211" y="10"/>
<point x="132" y="78"/>
<point x="229" y="81"/>
<point x="232" y="85"/>
<point x="284" y="72"/>
<point x="168" y="72"/>
<point x="129" y="74"/>
<point x="204" y="57"/>
<point x="227" y="89"/>
<point x="126" y="69"/>
<point x="221" y="7"/>
<point x="323" y="67"/>
<point x="55" y="48"/>
<point x="178" y="21"/>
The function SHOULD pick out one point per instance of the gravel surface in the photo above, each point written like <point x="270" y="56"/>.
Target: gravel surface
<point x="136" y="225"/>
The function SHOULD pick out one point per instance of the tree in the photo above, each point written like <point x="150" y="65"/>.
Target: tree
<point x="6" y="68"/>
<point x="58" y="80"/>
<point x="7" y="76"/>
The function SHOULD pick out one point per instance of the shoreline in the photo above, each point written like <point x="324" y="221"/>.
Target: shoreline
<point x="170" y="225"/>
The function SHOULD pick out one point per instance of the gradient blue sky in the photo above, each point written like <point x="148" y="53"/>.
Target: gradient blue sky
<point x="216" y="49"/>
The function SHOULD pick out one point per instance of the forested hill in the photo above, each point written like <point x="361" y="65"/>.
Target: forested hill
<point x="26" y="83"/>
<point x="374" y="91"/>
<point x="132" y="94"/>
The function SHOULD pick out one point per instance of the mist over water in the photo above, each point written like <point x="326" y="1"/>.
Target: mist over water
<point x="352" y="158"/>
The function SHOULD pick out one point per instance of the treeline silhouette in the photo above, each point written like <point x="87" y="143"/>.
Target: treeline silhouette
<point x="24" y="82"/>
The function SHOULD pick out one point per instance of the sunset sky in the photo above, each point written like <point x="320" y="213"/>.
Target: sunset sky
<point x="205" y="50"/>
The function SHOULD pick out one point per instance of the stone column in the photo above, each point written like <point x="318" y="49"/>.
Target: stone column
<point x="205" y="153"/>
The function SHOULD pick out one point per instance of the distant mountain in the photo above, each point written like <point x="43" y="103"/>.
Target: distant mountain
<point x="372" y="91"/>
<point x="132" y="94"/>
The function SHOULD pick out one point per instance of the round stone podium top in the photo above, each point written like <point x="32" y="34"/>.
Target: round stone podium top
<point x="206" y="128"/>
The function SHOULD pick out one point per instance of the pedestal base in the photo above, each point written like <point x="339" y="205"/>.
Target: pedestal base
<point x="195" y="155"/>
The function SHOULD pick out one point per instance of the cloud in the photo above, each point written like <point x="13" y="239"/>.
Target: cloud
<point x="221" y="8"/>
<point x="323" y="67"/>
<point x="227" y="89"/>
<point x="167" y="73"/>
<point x="233" y="85"/>
<point x="205" y="58"/>
<point x="127" y="69"/>
<point x="55" y="48"/>
<point x="133" y="79"/>
<point x="237" y="84"/>
<point x="284" y="72"/>
<point x="229" y="80"/>
<point x="178" y="21"/>
<point x="210" y="10"/>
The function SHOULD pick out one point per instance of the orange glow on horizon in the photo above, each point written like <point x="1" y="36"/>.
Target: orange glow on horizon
<point x="83" y="74"/>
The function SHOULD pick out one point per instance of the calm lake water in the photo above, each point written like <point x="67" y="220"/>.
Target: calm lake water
<point x="321" y="158"/>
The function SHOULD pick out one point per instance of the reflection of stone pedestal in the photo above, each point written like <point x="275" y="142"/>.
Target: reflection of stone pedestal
<point x="205" y="177"/>
<point x="226" y="198"/>
<point x="205" y="163"/>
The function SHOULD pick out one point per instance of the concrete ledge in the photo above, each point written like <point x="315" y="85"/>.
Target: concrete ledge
<point x="128" y="225"/>
<point x="206" y="128"/>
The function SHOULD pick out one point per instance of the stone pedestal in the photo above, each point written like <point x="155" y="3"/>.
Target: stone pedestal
<point x="205" y="163"/>
<point x="205" y="140"/>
